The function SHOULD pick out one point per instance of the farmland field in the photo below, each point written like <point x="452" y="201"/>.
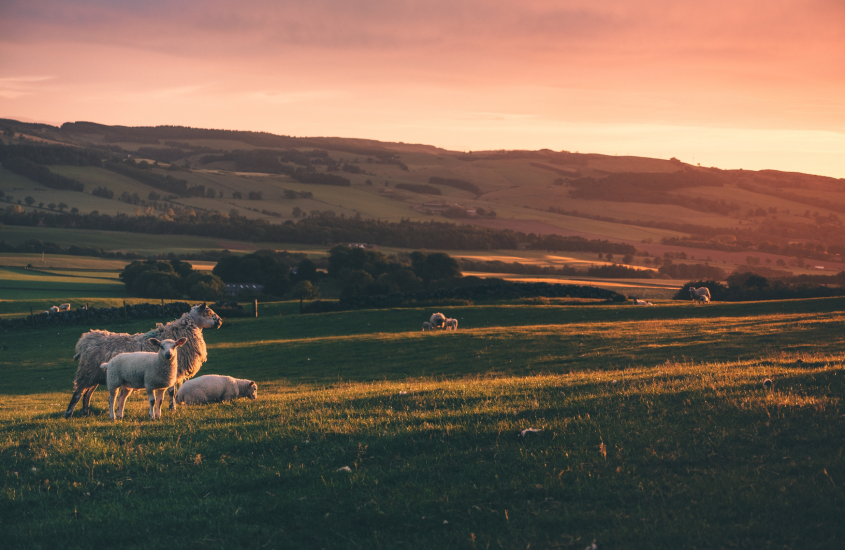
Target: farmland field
<point x="656" y="432"/>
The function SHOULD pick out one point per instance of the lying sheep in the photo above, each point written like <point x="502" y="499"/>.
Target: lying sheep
<point x="451" y="324"/>
<point x="703" y="299"/>
<point x="214" y="388"/>
<point x="154" y="372"/>
<point x="98" y="346"/>
<point x="437" y="320"/>
<point x="64" y="307"/>
<point x="54" y="309"/>
<point x="426" y="326"/>
<point x="638" y="302"/>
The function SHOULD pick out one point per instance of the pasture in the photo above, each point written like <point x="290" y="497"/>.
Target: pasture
<point x="656" y="433"/>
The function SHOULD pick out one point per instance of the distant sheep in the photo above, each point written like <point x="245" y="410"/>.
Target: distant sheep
<point x="64" y="307"/>
<point x="437" y="320"/>
<point x="54" y="309"/>
<point x="696" y="293"/>
<point x="214" y="388"/>
<point x="703" y="299"/>
<point x="638" y="302"/>
<point x="426" y="326"/>
<point x="99" y="346"/>
<point x="451" y="324"/>
<point x="154" y="372"/>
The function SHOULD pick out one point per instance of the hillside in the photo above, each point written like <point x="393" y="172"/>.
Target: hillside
<point x="661" y="206"/>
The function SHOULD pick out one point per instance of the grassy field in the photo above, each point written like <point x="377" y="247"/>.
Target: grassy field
<point x="656" y="433"/>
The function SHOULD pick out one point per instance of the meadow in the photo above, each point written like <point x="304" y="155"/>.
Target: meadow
<point x="656" y="432"/>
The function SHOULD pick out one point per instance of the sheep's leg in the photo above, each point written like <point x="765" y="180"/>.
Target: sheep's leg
<point x="153" y="397"/>
<point x="121" y="400"/>
<point x="86" y="399"/>
<point x="171" y="391"/>
<point x="111" y="403"/>
<point x="77" y="395"/>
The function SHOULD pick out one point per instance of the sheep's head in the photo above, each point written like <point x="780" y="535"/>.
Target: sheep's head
<point x="167" y="348"/>
<point x="252" y="391"/>
<point x="204" y="317"/>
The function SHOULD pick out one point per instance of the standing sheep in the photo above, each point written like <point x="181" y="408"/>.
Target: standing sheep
<point x="99" y="346"/>
<point x="696" y="293"/>
<point x="426" y="326"/>
<point x="451" y="324"/>
<point x="703" y="299"/>
<point x="437" y="320"/>
<point x="154" y="372"/>
<point x="214" y="388"/>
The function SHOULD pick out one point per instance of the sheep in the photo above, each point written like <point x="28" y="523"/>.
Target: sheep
<point x="451" y="324"/>
<point x="703" y="299"/>
<point x="695" y="293"/>
<point x="214" y="388"/>
<point x="437" y="320"/>
<point x="426" y="326"/>
<point x="64" y="307"/>
<point x="54" y="309"/>
<point x="638" y="302"/>
<point x="155" y="372"/>
<point x="99" y="346"/>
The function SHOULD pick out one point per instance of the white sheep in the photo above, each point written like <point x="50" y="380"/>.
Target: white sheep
<point x="54" y="309"/>
<point x="638" y="302"/>
<point x="154" y="372"/>
<point x="437" y="320"/>
<point x="451" y="324"/>
<point x="426" y="326"/>
<point x="96" y="347"/>
<point x="214" y="388"/>
<point x="696" y="293"/>
<point x="64" y="307"/>
<point x="703" y="299"/>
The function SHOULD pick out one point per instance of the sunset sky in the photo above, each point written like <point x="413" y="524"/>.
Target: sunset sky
<point x="734" y="84"/>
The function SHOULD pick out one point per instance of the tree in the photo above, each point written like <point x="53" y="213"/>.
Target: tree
<point x="29" y="201"/>
<point x="74" y="210"/>
<point x="51" y="206"/>
<point x="297" y="212"/>
<point x="62" y="207"/>
<point x="237" y="195"/>
<point x="210" y="193"/>
<point x="304" y="289"/>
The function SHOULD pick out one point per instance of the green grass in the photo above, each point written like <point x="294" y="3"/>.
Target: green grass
<point x="19" y="283"/>
<point x="685" y="450"/>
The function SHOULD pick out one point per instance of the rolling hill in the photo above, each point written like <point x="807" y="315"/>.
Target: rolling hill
<point x="661" y="206"/>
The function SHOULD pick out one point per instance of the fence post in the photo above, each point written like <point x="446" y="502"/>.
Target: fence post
<point x="87" y="311"/>
<point x="125" y="312"/>
<point x="255" y="306"/>
<point x="31" y="317"/>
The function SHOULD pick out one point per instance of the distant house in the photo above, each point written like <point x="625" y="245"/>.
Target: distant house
<point x="234" y="288"/>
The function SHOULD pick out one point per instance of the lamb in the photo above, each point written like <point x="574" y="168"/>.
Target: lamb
<point x="155" y="372"/>
<point x="99" y="346"/>
<point x="451" y="324"/>
<point x="214" y="388"/>
<point x="437" y="320"/>
<point x="426" y="326"/>
<point x="695" y="293"/>
<point x="703" y="299"/>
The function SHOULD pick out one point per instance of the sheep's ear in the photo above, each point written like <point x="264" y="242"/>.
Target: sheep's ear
<point x="202" y="306"/>
<point x="180" y="341"/>
<point x="253" y="385"/>
<point x="155" y="342"/>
